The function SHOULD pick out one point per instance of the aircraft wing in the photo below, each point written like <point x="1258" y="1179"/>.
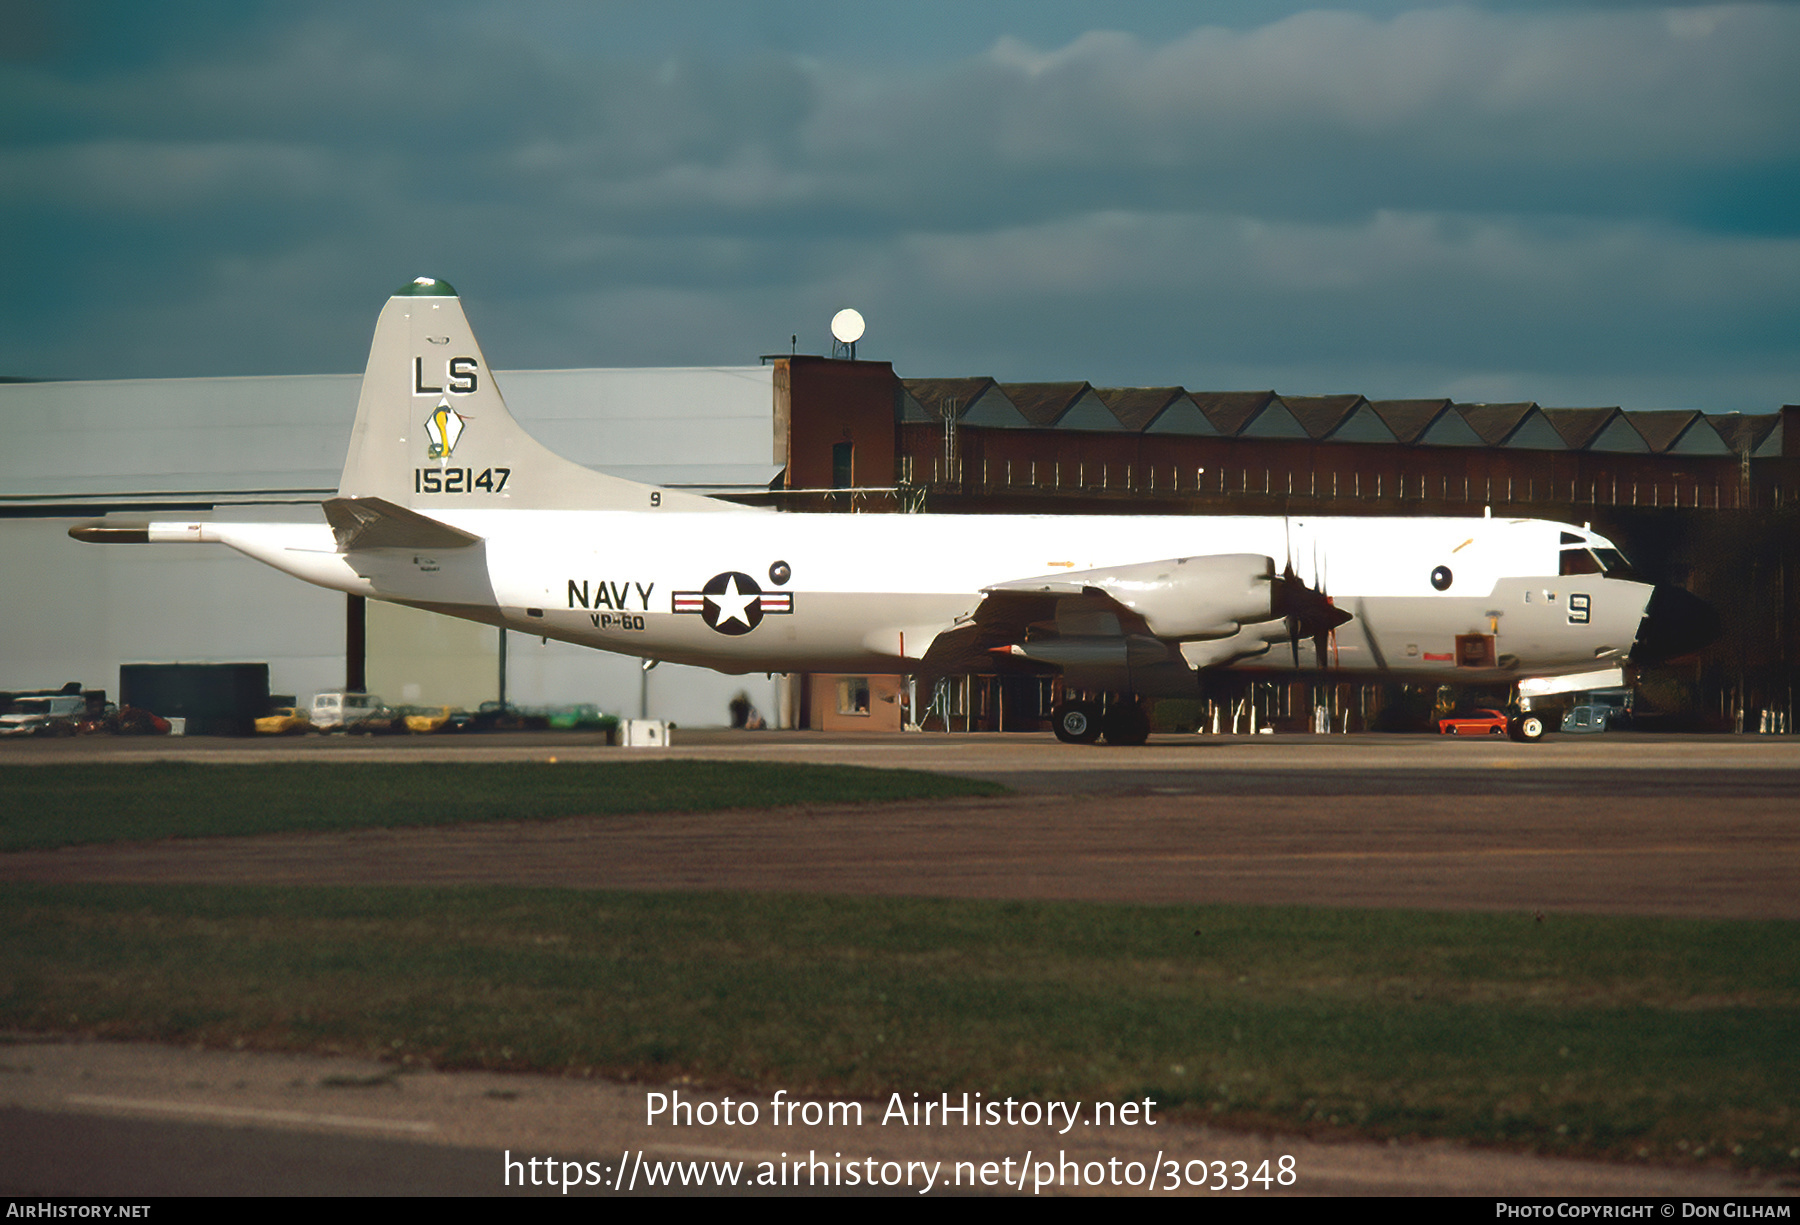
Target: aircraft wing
<point x="1139" y="627"/>
<point x="1008" y="617"/>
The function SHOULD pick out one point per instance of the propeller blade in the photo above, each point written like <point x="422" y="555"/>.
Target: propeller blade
<point x="1292" y="620"/>
<point x="1320" y="641"/>
<point x="1306" y="613"/>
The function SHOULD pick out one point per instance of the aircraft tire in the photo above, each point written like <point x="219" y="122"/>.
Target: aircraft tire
<point x="1528" y="729"/>
<point x="1077" y="722"/>
<point x="1127" y="724"/>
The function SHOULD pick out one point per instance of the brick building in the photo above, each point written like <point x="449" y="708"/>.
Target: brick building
<point x="1703" y="500"/>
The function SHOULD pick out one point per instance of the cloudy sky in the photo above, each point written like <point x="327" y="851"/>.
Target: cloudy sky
<point x="1574" y="205"/>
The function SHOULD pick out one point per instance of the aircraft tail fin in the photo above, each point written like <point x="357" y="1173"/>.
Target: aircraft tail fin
<point x="433" y="433"/>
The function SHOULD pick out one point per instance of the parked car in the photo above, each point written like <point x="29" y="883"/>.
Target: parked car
<point x="135" y="721"/>
<point x="1584" y="720"/>
<point x="382" y="721"/>
<point x="428" y="719"/>
<point x="43" y="716"/>
<point x="585" y="718"/>
<point x="284" y="721"/>
<point x="1474" y="723"/>
<point x="103" y="723"/>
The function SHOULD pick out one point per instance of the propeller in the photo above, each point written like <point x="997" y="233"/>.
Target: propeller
<point x="1308" y="613"/>
<point x="1330" y="636"/>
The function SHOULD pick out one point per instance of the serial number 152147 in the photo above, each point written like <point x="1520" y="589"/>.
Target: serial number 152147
<point x="459" y="480"/>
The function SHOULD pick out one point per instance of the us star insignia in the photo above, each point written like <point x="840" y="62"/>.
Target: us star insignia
<point x="732" y="602"/>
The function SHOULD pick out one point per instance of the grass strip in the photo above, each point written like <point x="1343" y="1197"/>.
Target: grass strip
<point x="58" y="805"/>
<point x="1638" y="1039"/>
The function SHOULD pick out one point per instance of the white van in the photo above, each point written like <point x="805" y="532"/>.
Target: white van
<point x="338" y="712"/>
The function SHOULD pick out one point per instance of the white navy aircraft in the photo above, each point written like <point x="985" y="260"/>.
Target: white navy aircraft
<point x="447" y="504"/>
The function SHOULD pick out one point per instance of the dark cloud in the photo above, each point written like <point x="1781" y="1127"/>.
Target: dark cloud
<point x="1389" y="201"/>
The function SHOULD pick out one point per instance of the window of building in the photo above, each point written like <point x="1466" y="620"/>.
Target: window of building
<point x="853" y="695"/>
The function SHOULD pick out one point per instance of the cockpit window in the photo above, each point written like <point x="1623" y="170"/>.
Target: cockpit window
<point x="1612" y="560"/>
<point x="1593" y="561"/>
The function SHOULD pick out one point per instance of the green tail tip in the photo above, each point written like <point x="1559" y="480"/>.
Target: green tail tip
<point x="425" y="287"/>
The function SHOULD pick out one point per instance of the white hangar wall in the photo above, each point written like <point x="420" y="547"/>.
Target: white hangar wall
<point x="75" y="612"/>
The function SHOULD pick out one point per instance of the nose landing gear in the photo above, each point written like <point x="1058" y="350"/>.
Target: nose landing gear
<point x="1527" y="728"/>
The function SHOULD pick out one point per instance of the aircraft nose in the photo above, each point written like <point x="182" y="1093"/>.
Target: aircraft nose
<point x="1676" y="622"/>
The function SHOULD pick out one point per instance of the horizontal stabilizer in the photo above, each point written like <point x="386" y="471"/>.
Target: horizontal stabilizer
<point x="373" y="523"/>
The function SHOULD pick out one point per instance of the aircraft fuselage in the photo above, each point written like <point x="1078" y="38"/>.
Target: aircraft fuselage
<point x="868" y="593"/>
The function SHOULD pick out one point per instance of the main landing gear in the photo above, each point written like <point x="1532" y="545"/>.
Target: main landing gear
<point x="1121" y="720"/>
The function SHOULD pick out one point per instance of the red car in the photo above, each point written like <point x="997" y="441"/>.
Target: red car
<point x="1474" y="723"/>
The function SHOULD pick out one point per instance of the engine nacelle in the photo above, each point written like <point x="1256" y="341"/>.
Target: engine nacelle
<point x="1201" y="612"/>
<point x="1247" y="643"/>
<point x="1182" y="598"/>
<point x="1128" y="663"/>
